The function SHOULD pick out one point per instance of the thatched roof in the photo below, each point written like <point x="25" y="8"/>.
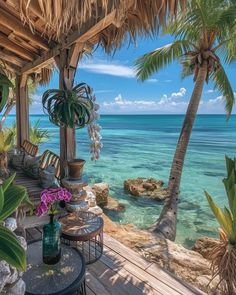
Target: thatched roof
<point x="32" y="32"/>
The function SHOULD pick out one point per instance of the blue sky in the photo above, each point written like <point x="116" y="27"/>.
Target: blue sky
<point x="118" y="91"/>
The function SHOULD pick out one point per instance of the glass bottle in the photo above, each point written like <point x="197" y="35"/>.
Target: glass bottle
<point x="51" y="241"/>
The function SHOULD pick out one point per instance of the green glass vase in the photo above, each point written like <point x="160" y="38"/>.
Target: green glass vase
<point x="51" y="241"/>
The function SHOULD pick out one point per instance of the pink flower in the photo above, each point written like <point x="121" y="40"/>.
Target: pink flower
<point x="49" y="197"/>
<point x="41" y="209"/>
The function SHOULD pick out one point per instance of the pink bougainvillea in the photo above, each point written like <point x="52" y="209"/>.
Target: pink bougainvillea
<point x="49" y="197"/>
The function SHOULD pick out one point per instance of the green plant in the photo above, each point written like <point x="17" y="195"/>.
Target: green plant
<point x="203" y="38"/>
<point x="6" y="140"/>
<point x="69" y="108"/>
<point x="10" y="198"/>
<point x="223" y="255"/>
<point x="38" y="135"/>
<point x="5" y="85"/>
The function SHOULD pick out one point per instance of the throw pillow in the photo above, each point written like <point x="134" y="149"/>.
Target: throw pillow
<point x="31" y="166"/>
<point x="16" y="161"/>
<point x="47" y="177"/>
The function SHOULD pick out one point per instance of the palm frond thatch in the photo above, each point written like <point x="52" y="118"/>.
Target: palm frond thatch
<point x="132" y="16"/>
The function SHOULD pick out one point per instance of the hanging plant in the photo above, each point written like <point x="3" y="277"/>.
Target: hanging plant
<point x="69" y="108"/>
<point x="5" y="85"/>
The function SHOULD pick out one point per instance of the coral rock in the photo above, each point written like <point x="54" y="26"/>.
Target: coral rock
<point x="151" y="187"/>
<point x="101" y="191"/>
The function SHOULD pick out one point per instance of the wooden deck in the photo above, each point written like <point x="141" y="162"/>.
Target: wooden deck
<point x="121" y="271"/>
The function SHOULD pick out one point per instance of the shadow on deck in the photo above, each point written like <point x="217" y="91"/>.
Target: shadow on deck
<point x="121" y="271"/>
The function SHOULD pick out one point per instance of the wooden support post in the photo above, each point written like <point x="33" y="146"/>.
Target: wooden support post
<point x="67" y="63"/>
<point x="22" y="109"/>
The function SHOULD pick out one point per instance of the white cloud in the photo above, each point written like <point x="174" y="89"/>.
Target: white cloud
<point x="174" y="103"/>
<point x="217" y="100"/>
<point x="152" y="80"/>
<point x="210" y="91"/>
<point x="103" y="91"/>
<point x="109" y="69"/>
<point x="164" y="104"/>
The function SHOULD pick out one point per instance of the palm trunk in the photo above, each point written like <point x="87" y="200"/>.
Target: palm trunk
<point x="166" y="224"/>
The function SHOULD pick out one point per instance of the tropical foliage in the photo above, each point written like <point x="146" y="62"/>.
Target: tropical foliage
<point x="223" y="255"/>
<point x="69" y="108"/>
<point x="10" y="249"/>
<point x="203" y="39"/>
<point x="6" y="140"/>
<point x="38" y="135"/>
<point x="5" y="85"/>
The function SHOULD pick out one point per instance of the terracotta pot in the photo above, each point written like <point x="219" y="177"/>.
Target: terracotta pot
<point x="75" y="168"/>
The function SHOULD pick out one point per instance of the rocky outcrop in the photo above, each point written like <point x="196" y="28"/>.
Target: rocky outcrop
<point x="101" y="191"/>
<point x="151" y="187"/>
<point x="204" y="246"/>
<point x="114" y="205"/>
<point x="187" y="264"/>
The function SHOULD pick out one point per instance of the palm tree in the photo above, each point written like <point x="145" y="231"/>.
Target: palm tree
<point x="202" y="38"/>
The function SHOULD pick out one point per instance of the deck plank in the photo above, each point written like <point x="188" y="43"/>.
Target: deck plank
<point x="126" y="252"/>
<point x="121" y="271"/>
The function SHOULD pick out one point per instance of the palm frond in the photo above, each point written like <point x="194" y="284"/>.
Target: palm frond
<point x="156" y="60"/>
<point x="222" y="83"/>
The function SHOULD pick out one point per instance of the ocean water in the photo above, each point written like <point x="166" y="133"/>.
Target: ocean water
<point x="143" y="146"/>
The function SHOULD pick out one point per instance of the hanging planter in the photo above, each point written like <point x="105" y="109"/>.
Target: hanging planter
<point x="69" y="108"/>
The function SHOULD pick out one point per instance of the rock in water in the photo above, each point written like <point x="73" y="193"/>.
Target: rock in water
<point x="101" y="191"/>
<point x="151" y="187"/>
<point x="114" y="205"/>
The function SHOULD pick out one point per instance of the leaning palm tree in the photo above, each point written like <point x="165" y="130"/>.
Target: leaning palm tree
<point x="202" y="39"/>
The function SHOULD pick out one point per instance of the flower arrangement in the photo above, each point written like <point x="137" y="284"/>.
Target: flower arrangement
<point x="50" y="198"/>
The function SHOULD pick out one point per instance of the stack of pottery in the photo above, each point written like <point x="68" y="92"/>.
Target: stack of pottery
<point x="75" y="187"/>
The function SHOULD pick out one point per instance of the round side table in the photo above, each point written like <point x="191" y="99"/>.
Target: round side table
<point x="67" y="277"/>
<point x="84" y="230"/>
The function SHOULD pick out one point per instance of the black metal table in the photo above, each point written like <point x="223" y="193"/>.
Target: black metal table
<point x="84" y="230"/>
<point x="64" y="278"/>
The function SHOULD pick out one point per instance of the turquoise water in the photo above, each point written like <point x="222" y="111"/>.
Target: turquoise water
<point x="143" y="146"/>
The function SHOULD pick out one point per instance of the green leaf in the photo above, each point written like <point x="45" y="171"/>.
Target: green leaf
<point x="222" y="83"/>
<point x="11" y="250"/>
<point x="234" y="207"/>
<point x="13" y="196"/>
<point x="230" y="165"/>
<point x="1" y="198"/>
<point x="8" y="182"/>
<point x="5" y="84"/>
<point x="220" y="216"/>
<point x="156" y="60"/>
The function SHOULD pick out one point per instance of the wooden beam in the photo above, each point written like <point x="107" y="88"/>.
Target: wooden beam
<point x="12" y="23"/>
<point x="6" y="43"/>
<point x="25" y="44"/>
<point x="11" y="58"/>
<point x="86" y="33"/>
<point x="67" y="63"/>
<point x="22" y="109"/>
